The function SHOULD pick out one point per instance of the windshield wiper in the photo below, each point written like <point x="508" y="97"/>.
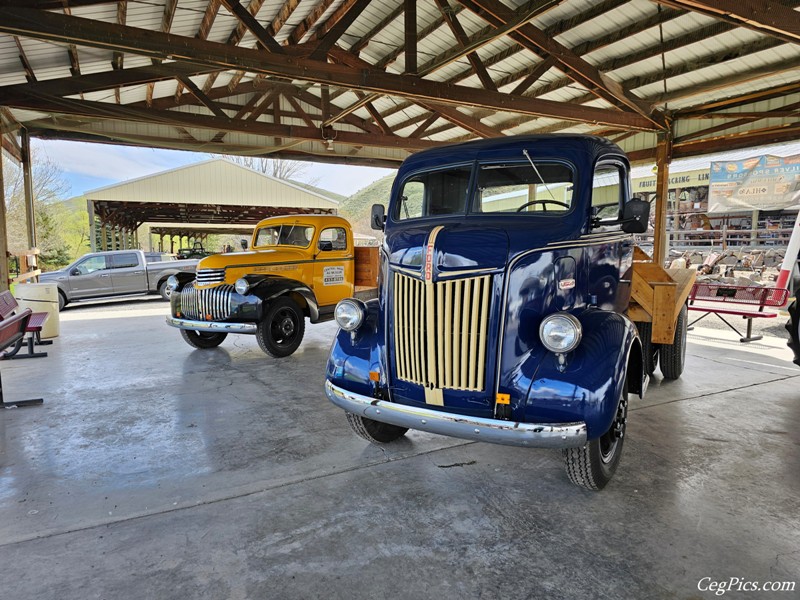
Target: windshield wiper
<point x="539" y="175"/>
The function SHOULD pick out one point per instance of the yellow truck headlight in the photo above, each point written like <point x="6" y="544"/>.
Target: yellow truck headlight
<point x="350" y="314"/>
<point x="242" y="286"/>
<point x="560" y="333"/>
<point x="172" y="282"/>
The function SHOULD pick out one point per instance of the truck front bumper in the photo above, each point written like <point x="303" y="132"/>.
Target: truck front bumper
<point x="495" y="431"/>
<point x="212" y="326"/>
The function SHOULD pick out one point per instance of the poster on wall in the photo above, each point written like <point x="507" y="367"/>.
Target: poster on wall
<point x="758" y="183"/>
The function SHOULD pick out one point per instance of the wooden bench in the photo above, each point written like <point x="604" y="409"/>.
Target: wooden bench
<point x="12" y="329"/>
<point x="8" y="306"/>
<point x="747" y="302"/>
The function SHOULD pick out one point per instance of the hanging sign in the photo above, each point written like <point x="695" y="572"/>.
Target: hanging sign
<point x="758" y="183"/>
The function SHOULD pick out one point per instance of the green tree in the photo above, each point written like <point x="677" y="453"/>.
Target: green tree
<point x="49" y="188"/>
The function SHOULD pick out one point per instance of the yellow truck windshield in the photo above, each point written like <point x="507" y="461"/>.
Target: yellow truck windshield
<point x="285" y="235"/>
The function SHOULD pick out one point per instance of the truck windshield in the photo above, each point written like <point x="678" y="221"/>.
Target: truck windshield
<point x="285" y="235"/>
<point x="434" y="193"/>
<point x="541" y="188"/>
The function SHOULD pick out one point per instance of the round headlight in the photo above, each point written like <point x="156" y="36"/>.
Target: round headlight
<point x="172" y="282"/>
<point x="242" y="286"/>
<point x="349" y="314"/>
<point x="560" y="332"/>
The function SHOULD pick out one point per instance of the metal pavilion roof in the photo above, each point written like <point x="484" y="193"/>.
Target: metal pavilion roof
<point x="367" y="82"/>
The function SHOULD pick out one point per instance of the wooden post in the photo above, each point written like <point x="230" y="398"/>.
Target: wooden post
<point x="92" y="233"/>
<point x="663" y="156"/>
<point x="3" y="236"/>
<point x="103" y="236"/>
<point x="754" y="228"/>
<point x="30" y="214"/>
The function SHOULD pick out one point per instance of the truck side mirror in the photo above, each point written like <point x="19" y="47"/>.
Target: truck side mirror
<point x="325" y="246"/>
<point x="378" y="217"/>
<point x="635" y="216"/>
<point x="75" y="271"/>
<point x="244" y="244"/>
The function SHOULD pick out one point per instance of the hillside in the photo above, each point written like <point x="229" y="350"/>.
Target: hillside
<point x="318" y="190"/>
<point x="357" y="207"/>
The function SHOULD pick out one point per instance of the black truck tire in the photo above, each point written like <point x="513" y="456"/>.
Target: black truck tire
<point x="164" y="290"/>
<point x="62" y="300"/>
<point x="673" y="356"/>
<point x="650" y="350"/>
<point x="374" y="432"/>
<point x="593" y="465"/>
<point x="202" y="340"/>
<point x="281" y="330"/>
<point x="793" y="327"/>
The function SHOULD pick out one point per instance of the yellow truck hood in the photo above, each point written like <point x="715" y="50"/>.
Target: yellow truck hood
<point x="254" y="257"/>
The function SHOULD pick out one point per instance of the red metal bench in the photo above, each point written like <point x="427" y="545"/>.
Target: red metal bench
<point x="736" y="300"/>
<point x="12" y="329"/>
<point x="8" y="305"/>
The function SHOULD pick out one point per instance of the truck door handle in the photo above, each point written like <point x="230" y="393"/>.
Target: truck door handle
<point x="138" y="272"/>
<point x="105" y="275"/>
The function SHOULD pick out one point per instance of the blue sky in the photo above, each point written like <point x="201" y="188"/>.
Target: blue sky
<point x="89" y="166"/>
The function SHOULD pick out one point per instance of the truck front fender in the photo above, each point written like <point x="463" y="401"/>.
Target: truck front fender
<point x="354" y="356"/>
<point x="269" y="287"/>
<point x="590" y="383"/>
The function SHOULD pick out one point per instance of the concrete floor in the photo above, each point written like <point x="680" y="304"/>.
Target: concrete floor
<point x="158" y="471"/>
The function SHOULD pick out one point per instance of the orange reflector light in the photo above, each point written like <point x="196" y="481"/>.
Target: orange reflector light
<point x="208" y="317"/>
<point x="178" y="314"/>
<point x="374" y="376"/>
<point x="503" y="398"/>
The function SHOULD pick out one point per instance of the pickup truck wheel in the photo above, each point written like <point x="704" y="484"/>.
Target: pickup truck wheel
<point x="673" y="357"/>
<point x="164" y="290"/>
<point x="593" y="466"/>
<point x="374" y="431"/>
<point x="649" y="349"/>
<point x="202" y="340"/>
<point x="793" y="327"/>
<point x="281" y="330"/>
<point x="62" y="301"/>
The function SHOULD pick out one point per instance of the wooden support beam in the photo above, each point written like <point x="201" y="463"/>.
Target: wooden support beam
<point x="309" y="22"/>
<point x="201" y="96"/>
<point x="464" y="121"/>
<point x="497" y="13"/>
<point x="329" y="32"/>
<point x="105" y="110"/>
<point x="534" y="76"/>
<point x="768" y="17"/>
<point x="411" y="36"/>
<point x="27" y="178"/>
<point x="23" y="59"/>
<point x="122" y="15"/>
<point x="53" y="26"/>
<point x="301" y="112"/>
<point x="663" y="159"/>
<point x="378" y="119"/>
<point x="249" y="21"/>
<point x="4" y="275"/>
<point x="463" y="40"/>
<point x="166" y="24"/>
<point x="432" y="118"/>
<point x="378" y="28"/>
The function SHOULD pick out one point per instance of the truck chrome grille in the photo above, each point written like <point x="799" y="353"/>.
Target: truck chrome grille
<point x="198" y="304"/>
<point x="440" y="331"/>
<point x="209" y="276"/>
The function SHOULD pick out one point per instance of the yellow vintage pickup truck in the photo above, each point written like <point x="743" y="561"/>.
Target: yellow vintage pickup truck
<point x="297" y="267"/>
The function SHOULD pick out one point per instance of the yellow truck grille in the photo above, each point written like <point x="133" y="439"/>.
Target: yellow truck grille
<point x="440" y="331"/>
<point x="211" y="304"/>
<point x="209" y="276"/>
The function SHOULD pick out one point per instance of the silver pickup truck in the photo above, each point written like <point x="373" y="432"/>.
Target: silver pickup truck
<point x="114" y="273"/>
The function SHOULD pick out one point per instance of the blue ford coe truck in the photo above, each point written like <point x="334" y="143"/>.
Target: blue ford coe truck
<point x="502" y="295"/>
